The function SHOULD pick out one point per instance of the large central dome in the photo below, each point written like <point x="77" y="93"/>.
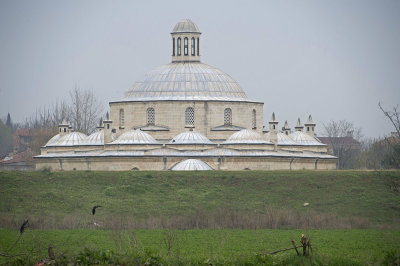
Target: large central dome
<point x="186" y="81"/>
<point x="186" y="78"/>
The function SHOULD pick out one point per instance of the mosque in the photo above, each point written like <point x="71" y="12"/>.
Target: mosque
<point x="186" y="115"/>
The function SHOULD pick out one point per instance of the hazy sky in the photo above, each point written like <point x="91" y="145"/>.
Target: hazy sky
<point x="332" y="59"/>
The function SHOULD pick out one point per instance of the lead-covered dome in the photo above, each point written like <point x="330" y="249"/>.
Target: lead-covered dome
<point x="305" y="139"/>
<point x="96" y="138"/>
<point x="186" y="81"/>
<point x="190" y="137"/>
<point x="186" y="26"/>
<point x="70" y="139"/>
<point x="282" y="138"/>
<point x="53" y="140"/>
<point x="246" y="136"/>
<point x="191" y="165"/>
<point x="135" y="137"/>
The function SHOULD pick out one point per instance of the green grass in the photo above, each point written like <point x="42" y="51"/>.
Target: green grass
<point x="365" y="199"/>
<point x="358" y="246"/>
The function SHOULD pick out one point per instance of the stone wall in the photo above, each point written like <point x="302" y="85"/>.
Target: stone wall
<point x="171" y="114"/>
<point x="165" y="163"/>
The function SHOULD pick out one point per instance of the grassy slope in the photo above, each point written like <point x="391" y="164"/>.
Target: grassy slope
<point x="364" y="246"/>
<point x="368" y="195"/>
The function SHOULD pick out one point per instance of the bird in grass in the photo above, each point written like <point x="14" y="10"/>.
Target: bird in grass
<point x="94" y="209"/>
<point x="23" y="226"/>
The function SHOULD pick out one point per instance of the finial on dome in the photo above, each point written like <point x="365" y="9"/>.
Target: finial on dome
<point x="310" y="121"/>
<point x="64" y="122"/>
<point x="107" y="116"/>
<point x="299" y="126"/>
<point x="273" y="117"/>
<point x="101" y="125"/>
<point x="286" y="128"/>
<point x="286" y="124"/>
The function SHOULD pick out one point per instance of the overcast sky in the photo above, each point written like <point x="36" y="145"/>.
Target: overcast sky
<point x="332" y="59"/>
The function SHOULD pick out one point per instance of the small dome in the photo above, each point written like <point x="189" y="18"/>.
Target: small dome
<point x="135" y="137"/>
<point x="246" y="136"/>
<point x="70" y="139"/>
<point x="302" y="138"/>
<point x="186" y="26"/>
<point x="283" y="139"/>
<point x="191" y="165"/>
<point x="96" y="138"/>
<point x="53" y="140"/>
<point x="190" y="137"/>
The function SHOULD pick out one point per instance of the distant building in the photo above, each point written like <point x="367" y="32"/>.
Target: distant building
<point x="347" y="143"/>
<point x="186" y="110"/>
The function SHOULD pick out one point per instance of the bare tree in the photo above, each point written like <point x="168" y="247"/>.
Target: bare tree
<point x="47" y="117"/>
<point x="393" y="116"/>
<point x="85" y="110"/>
<point x="343" y="138"/>
<point x="392" y="159"/>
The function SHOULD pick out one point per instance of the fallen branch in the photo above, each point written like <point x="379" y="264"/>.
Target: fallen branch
<point x="294" y="246"/>
<point x="285" y="249"/>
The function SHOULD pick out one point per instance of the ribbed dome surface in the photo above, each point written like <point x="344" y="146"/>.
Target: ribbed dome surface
<point x="305" y="139"/>
<point x="70" y="139"/>
<point x="53" y="140"/>
<point x="185" y="26"/>
<point x="283" y="139"/>
<point x="191" y="165"/>
<point x="246" y="136"/>
<point x="190" y="137"/>
<point x="135" y="137"/>
<point x="186" y="81"/>
<point x="96" y="138"/>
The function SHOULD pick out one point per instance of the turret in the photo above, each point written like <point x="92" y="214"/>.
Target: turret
<point x="185" y="42"/>
<point x="310" y="126"/>
<point x="273" y="130"/>
<point x="299" y="126"/>
<point x="107" y="129"/>
<point x="63" y="128"/>
<point x="101" y="125"/>
<point x="286" y="128"/>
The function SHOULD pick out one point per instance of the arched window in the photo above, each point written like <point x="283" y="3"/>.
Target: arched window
<point x="227" y="117"/>
<point x="198" y="47"/>
<point x="179" y="46"/>
<point x="189" y="116"/>
<point x="151" y="116"/>
<point x="254" y="119"/>
<point x="173" y="46"/>
<point x="186" y="46"/>
<point x="193" y="48"/>
<point x="121" y="118"/>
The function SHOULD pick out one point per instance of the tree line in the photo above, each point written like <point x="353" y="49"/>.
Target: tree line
<point x="82" y="109"/>
<point x="377" y="153"/>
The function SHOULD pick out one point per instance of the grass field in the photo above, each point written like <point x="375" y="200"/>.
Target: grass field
<point x="248" y="199"/>
<point x="213" y="217"/>
<point x="351" y="246"/>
